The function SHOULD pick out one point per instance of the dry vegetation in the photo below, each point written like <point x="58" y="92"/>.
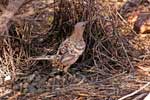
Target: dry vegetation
<point x="106" y="71"/>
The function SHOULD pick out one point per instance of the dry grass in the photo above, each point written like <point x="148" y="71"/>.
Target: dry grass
<point x="105" y="69"/>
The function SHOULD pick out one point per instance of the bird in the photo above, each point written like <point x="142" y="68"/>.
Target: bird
<point x="70" y="49"/>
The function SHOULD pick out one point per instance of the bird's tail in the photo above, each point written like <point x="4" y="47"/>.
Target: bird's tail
<point x="47" y="57"/>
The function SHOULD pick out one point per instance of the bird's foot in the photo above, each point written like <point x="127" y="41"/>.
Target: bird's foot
<point x="67" y="72"/>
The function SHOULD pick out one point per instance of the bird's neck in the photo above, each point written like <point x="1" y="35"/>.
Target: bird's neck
<point x="77" y="35"/>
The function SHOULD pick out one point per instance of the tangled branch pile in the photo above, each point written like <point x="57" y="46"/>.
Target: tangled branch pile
<point x="105" y="48"/>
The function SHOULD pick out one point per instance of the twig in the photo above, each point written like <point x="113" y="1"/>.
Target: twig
<point x="135" y="92"/>
<point x="125" y="51"/>
<point x="147" y="97"/>
<point x="125" y="22"/>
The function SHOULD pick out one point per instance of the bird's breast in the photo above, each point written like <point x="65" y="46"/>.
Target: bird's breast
<point x="79" y="47"/>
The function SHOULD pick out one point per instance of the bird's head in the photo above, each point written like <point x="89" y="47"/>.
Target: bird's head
<point x="80" y="25"/>
<point x="79" y="28"/>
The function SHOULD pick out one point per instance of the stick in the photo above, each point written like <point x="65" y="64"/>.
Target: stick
<point x="135" y="92"/>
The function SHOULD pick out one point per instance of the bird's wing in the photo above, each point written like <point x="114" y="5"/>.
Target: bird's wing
<point x="65" y="47"/>
<point x="70" y="51"/>
<point x="68" y="59"/>
<point x="73" y="53"/>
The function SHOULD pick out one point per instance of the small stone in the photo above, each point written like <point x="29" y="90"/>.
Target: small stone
<point x="7" y="78"/>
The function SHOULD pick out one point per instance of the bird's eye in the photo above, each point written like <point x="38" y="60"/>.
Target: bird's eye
<point x="83" y="25"/>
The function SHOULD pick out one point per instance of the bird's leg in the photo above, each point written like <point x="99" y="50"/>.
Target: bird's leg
<point x="66" y="70"/>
